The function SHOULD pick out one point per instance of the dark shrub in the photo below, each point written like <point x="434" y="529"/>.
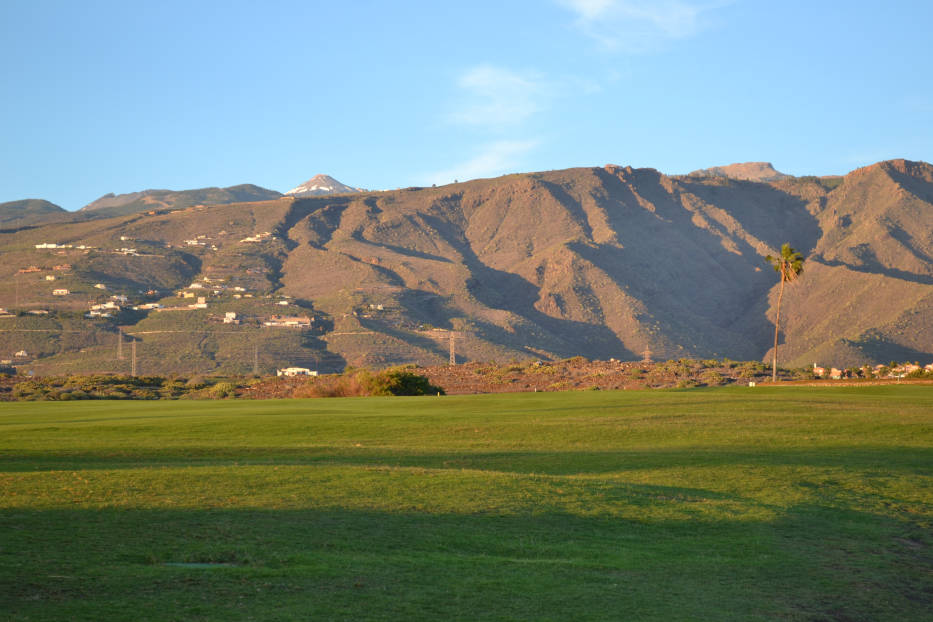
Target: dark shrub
<point x="400" y="382"/>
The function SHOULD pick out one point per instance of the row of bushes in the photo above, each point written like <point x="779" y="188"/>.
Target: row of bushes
<point x="353" y="382"/>
<point x="105" y="387"/>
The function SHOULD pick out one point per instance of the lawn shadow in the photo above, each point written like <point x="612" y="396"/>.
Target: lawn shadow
<point x="897" y="459"/>
<point x="812" y="562"/>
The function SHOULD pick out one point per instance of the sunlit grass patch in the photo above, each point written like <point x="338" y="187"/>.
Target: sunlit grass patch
<point x="793" y="504"/>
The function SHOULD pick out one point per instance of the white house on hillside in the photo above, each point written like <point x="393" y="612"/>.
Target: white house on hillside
<point x="295" y="371"/>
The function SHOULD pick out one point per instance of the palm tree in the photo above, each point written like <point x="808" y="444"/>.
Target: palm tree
<point x="789" y="266"/>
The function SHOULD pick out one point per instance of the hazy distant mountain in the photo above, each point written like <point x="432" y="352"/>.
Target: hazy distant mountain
<point x="145" y="200"/>
<point x="602" y="262"/>
<point x="749" y="171"/>
<point x="321" y="185"/>
<point x="29" y="212"/>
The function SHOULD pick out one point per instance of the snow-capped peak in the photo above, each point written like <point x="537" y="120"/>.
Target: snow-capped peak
<point x="321" y="184"/>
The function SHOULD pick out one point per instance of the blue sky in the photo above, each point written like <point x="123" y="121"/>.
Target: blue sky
<point x="119" y="96"/>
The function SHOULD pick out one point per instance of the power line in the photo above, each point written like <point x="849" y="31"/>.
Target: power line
<point x="189" y="332"/>
<point x="141" y="332"/>
<point x="40" y="330"/>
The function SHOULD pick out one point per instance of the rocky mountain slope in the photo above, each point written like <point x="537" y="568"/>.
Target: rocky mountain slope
<point x="601" y="262"/>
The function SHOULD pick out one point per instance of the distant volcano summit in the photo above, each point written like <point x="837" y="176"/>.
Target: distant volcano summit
<point x="321" y="184"/>
<point x="748" y="171"/>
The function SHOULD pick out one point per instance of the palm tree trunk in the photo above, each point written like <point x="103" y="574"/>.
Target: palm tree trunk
<point x="777" y="323"/>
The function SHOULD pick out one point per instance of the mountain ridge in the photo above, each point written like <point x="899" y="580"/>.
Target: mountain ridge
<point x="746" y="171"/>
<point x="144" y="200"/>
<point x="603" y="262"/>
<point x="26" y="212"/>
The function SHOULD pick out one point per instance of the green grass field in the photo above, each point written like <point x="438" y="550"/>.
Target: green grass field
<point x="726" y="504"/>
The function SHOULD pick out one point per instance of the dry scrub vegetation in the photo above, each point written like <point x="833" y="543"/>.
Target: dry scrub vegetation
<point x="572" y="374"/>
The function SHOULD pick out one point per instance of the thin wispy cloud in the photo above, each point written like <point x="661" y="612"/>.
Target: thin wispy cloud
<point x="498" y="97"/>
<point x="493" y="159"/>
<point x="638" y="25"/>
<point x="498" y="101"/>
<point x="501" y="102"/>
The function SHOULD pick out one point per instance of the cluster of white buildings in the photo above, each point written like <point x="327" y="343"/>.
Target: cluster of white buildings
<point x="295" y="371"/>
<point x="283" y="321"/>
<point x="201" y="240"/>
<point x="54" y="245"/>
<point x="109" y="308"/>
<point x="215" y="286"/>
<point x="85" y="247"/>
<point x="259" y="237"/>
<point x="200" y="303"/>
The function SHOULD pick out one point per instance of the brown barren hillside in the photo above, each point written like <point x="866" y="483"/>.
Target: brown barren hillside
<point x="600" y="262"/>
<point x="868" y="288"/>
